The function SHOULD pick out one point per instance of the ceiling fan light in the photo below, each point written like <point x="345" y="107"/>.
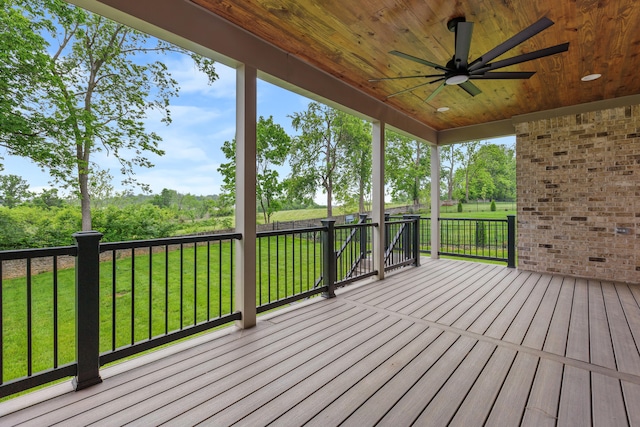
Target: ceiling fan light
<point x="591" y="77"/>
<point x="457" y="79"/>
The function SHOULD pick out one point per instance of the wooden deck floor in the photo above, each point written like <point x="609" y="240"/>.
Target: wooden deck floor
<point x="449" y="343"/>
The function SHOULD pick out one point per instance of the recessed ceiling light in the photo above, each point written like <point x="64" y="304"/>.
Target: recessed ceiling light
<point x="442" y="109"/>
<point x="591" y="77"/>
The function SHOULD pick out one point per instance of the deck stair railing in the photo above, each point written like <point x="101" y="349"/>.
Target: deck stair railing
<point x="402" y="241"/>
<point x="355" y="249"/>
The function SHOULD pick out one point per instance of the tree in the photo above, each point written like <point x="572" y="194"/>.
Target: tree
<point x="100" y="187"/>
<point x="13" y="190"/>
<point x="92" y="90"/>
<point x="448" y="160"/>
<point x="407" y="168"/>
<point x="272" y="148"/>
<point x="353" y="177"/>
<point x="47" y="198"/>
<point x="319" y="152"/>
<point x="468" y="156"/>
<point x="499" y="162"/>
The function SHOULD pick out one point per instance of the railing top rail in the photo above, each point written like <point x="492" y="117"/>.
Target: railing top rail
<point x="474" y="219"/>
<point x="401" y="220"/>
<point x="38" y="252"/>
<point x="113" y="246"/>
<point x="358" y="225"/>
<point x="290" y="231"/>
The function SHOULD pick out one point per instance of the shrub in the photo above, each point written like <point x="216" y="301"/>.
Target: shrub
<point x="459" y="206"/>
<point x="132" y="222"/>
<point x="493" y="206"/>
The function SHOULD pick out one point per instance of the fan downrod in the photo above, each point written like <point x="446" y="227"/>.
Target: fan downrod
<point x="453" y="23"/>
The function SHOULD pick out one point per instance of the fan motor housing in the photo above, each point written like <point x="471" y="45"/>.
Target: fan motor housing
<point x="453" y="23"/>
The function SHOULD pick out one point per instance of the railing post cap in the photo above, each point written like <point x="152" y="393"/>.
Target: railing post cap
<point x="87" y="234"/>
<point x="328" y="221"/>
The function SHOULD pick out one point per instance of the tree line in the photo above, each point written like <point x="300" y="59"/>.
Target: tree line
<point x="74" y="84"/>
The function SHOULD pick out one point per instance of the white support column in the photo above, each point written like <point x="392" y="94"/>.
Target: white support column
<point x="377" y="214"/>
<point x="435" y="201"/>
<point x="245" y="271"/>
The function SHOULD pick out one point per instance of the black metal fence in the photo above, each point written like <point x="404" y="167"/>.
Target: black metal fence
<point x="402" y="245"/>
<point x="124" y="298"/>
<point x="289" y="266"/>
<point x="486" y="239"/>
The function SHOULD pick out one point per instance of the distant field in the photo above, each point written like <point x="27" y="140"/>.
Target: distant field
<point x="469" y="210"/>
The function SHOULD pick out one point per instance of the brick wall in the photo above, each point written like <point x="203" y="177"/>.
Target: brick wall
<point x="578" y="180"/>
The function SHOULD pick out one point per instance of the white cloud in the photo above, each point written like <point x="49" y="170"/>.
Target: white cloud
<point x="198" y="180"/>
<point x="192" y="80"/>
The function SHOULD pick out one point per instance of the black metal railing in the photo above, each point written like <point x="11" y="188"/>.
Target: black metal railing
<point x="289" y="266"/>
<point x="96" y="303"/>
<point x="354" y="258"/>
<point x="402" y="242"/>
<point x="157" y="291"/>
<point x="37" y="336"/>
<point x="61" y="317"/>
<point x="486" y="239"/>
<point x="296" y="264"/>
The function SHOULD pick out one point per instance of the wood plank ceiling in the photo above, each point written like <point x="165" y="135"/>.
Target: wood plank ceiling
<point x="352" y="39"/>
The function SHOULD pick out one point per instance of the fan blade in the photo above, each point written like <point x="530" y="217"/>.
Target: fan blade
<point x="463" y="44"/>
<point x="470" y="88"/>
<point x="435" y="92"/>
<point x="524" y="58"/>
<point x="407" y="90"/>
<point x="523" y="35"/>
<point x="418" y="60"/>
<point x="504" y="75"/>
<point x="427" y="76"/>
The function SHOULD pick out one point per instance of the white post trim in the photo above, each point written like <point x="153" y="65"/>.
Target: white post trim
<point x="245" y="271"/>
<point x="435" y="201"/>
<point x="377" y="214"/>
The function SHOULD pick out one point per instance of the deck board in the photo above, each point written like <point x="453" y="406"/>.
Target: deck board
<point x="537" y="331"/>
<point x="448" y="343"/>
<point x="578" y="337"/>
<point x="510" y="404"/>
<point x="607" y="401"/>
<point x="479" y="401"/>
<point x="501" y="323"/>
<point x="408" y="409"/>
<point x="542" y="406"/>
<point x="520" y="324"/>
<point x="445" y="404"/>
<point x="556" y="340"/>
<point x="343" y="392"/>
<point x="575" y="398"/>
<point x="599" y="335"/>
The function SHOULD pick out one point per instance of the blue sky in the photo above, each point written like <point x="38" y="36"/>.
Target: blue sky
<point x="203" y="118"/>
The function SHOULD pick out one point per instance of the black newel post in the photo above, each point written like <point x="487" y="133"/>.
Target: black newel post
<point x="386" y="230"/>
<point x="329" y="273"/>
<point x="87" y="309"/>
<point x="511" y="241"/>
<point x="363" y="237"/>
<point x="406" y="237"/>
<point x="416" y="240"/>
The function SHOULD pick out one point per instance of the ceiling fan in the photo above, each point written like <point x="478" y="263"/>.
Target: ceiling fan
<point x="459" y="71"/>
